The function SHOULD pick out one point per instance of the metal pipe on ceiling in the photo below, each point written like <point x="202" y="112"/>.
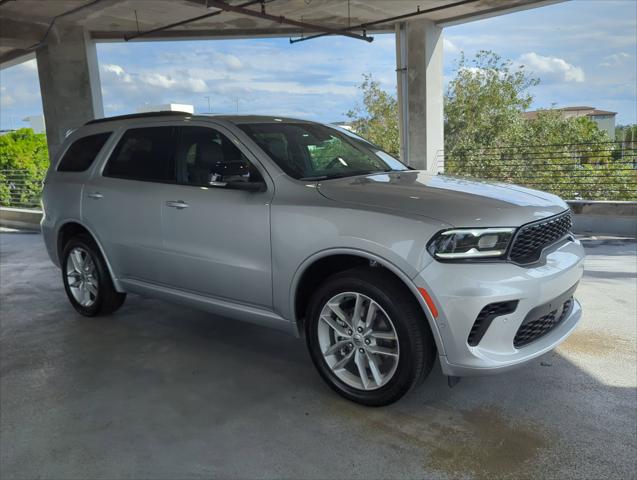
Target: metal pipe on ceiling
<point x="183" y="22"/>
<point x="365" y="26"/>
<point x="281" y="19"/>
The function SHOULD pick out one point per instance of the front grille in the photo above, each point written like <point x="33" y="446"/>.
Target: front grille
<point x="532" y="329"/>
<point x="486" y="316"/>
<point x="533" y="238"/>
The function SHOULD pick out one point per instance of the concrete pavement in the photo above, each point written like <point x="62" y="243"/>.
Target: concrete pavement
<point x="160" y="391"/>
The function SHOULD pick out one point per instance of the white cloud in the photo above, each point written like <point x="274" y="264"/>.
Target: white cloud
<point x="157" y="80"/>
<point x="184" y="82"/>
<point x="615" y="60"/>
<point x="181" y="80"/>
<point x="117" y="71"/>
<point x="449" y="47"/>
<point x="6" y="100"/>
<point x="299" y="88"/>
<point x="195" y="85"/>
<point x="552" y="68"/>
<point x="230" y="61"/>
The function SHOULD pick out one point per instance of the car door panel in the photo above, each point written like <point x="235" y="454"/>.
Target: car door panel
<point x="127" y="219"/>
<point x="219" y="244"/>
<point x="122" y="202"/>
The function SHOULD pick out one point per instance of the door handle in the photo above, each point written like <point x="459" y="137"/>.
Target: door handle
<point x="95" y="195"/>
<point x="178" y="204"/>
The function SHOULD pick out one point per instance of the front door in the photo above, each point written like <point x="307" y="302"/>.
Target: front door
<point x="217" y="239"/>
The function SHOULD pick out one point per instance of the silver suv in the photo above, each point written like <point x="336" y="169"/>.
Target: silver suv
<point x="313" y="230"/>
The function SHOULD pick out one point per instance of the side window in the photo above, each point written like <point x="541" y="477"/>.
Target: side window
<point x="204" y="156"/>
<point x="81" y="154"/>
<point x="146" y="154"/>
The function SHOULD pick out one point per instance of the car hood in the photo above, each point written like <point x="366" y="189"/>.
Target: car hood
<point x="457" y="201"/>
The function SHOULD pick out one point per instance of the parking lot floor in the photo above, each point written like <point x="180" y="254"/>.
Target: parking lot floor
<point x="160" y="391"/>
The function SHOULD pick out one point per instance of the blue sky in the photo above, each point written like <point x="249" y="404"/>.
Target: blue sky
<point x="584" y="51"/>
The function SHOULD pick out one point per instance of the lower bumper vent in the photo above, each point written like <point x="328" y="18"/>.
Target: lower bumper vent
<point x="532" y="329"/>
<point x="486" y="316"/>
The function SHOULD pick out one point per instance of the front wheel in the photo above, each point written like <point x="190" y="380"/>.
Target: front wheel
<point x="368" y="337"/>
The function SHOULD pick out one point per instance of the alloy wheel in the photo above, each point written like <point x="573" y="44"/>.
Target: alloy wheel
<point x="81" y="275"/>
<point x="358" y="341"/>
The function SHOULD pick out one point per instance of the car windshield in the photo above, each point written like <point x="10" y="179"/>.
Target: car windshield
<point x="310" y="151"/>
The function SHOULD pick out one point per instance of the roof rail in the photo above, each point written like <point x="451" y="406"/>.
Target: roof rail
<point x="163" y="113"/>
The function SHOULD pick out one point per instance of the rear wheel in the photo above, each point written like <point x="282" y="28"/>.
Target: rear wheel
<point x="368" y="337"/>
<point x="87" y="281"/>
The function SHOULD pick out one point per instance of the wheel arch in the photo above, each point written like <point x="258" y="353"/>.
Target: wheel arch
<point x="346" y="258"/>
<point x="71" y="228"/>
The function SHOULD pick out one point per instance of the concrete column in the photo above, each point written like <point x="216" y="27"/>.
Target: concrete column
<point x="420" y="93"/>
<point x="69" y="83"/>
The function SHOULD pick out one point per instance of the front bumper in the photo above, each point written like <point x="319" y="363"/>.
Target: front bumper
<point x="461" y="291"/>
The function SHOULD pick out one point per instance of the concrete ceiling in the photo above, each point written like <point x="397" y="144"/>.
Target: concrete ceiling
<point x="24" y="23"/>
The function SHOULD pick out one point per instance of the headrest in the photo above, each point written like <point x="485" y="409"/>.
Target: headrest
<point x="209" y="153"/>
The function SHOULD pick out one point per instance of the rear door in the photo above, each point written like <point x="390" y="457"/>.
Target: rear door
<point x="217" y="239"/>
<point x="122" y="203"/>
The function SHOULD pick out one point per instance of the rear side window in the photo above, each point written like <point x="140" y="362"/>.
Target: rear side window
<point x="81" y="154"/>
<point x="146" y="154"/>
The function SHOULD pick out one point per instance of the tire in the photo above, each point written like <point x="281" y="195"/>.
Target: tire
<point x="102" y="297"/>
<point x="407" y="360"/>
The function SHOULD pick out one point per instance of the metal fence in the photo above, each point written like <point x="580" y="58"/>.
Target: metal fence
<point x="600" y="171"/>
<point x="21" y="188"/>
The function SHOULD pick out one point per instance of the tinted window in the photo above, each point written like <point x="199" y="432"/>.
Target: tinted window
<point x="313" y="151"/>
<point x="81" y="154"/>
<point x="204" y="155"/>
<point x="144" y="154"/>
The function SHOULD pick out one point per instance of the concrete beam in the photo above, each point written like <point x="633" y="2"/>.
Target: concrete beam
<point x="420" y="93"/>
<point x="500" y="9"/>
<point x="15" y="57"/>
<point x="69" y="83"/>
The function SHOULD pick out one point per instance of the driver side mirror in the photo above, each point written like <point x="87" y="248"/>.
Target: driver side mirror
<point x="235" y="176"/>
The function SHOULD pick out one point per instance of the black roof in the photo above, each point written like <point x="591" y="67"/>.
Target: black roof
<point x="168" y="113"/>
<point x="236" y="119"/>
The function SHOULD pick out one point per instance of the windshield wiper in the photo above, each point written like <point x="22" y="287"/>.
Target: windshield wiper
<point x="343" y="175"/>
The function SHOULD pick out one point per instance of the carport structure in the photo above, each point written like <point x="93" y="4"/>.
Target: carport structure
<point x="62" y="35"/>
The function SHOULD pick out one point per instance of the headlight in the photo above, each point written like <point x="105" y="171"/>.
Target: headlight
<point x="471" y="243"/>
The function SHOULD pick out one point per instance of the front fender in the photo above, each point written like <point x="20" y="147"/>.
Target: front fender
<point x="372" y="257"/>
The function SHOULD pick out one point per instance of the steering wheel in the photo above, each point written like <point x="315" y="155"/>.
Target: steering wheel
<point x="335" y="161"/>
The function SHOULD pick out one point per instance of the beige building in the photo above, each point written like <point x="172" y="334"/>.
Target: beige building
<point x="605" y="120"/>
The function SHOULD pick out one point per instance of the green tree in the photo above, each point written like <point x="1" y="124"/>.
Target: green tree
<point x="487" y="136"/>
<point x="377" y="119"/>
<point x="483" y="103"/>
<point x="24" y="159"/>
<point x="626" y="134"/>
<point x="573" y="158"/>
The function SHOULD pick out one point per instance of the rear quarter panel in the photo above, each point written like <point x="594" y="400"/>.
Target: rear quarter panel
<point x="63" y="191"/>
